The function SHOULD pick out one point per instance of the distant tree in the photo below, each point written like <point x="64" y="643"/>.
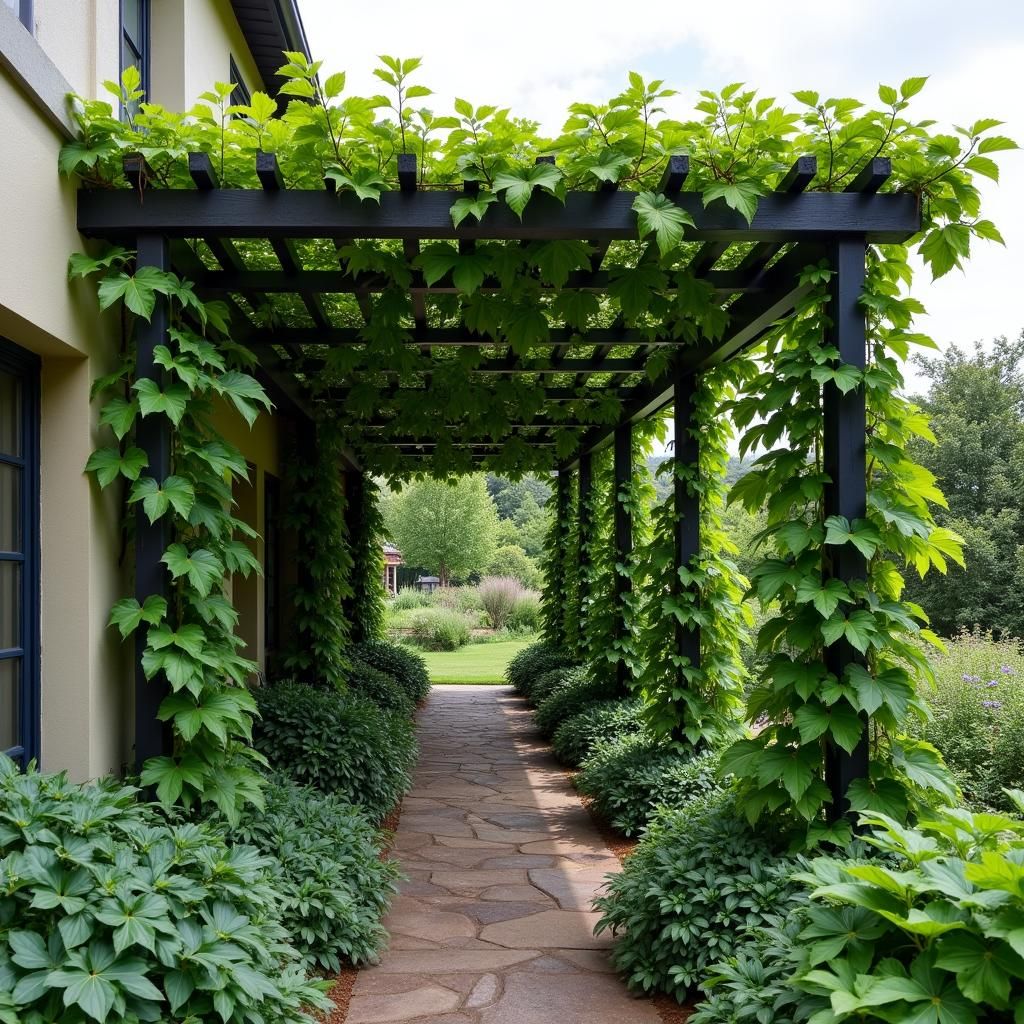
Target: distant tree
<point x="448" y="528"/>
<point x="510" y="496"/>
<point x="976" y="404"/>
<point x="512" y="560"/>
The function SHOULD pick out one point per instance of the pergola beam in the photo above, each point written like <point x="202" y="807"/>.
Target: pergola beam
<point x="594" y="216"/>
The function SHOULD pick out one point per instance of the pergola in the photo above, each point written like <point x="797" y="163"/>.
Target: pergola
<point x="754" y="269"/>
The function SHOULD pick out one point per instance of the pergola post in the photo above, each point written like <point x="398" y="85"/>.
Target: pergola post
<point x="153" y="435"/>
<point x="623" y="540"/>
<point x="845" y="423"/>
<point x="585" y="484"/>
<point x="687" y="507"/>
<point x="353" y="483"/>
<point x="561" y="597"/>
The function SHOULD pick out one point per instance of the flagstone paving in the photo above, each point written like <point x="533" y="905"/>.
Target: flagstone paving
<point x="494" y="925"/>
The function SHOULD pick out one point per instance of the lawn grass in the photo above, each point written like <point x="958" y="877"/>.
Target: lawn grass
<point x="474" y="663"/>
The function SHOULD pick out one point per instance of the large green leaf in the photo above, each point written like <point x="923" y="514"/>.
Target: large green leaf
<point x="657" y="214"/>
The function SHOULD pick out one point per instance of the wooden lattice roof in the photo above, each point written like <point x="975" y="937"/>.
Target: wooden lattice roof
<point x="273" y="255"/>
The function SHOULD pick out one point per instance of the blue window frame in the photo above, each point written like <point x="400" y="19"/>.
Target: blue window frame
<point x="23" y="9"/>
<point x="19" y="553"/>
<point x="135" y="48"/>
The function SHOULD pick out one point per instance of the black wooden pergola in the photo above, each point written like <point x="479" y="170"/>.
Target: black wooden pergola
<point x="754" y="268"/>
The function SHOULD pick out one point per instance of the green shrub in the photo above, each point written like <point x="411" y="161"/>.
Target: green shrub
<point x="113" y="915"/>
<point x="408" y="598"/>
<point x="698" y="882"/>
<point x="333" y="884"/>
<point x="630" y="777"/>
<point x="403" y="664"/>
<point x="532" y="662"/>
<point x="499" y="595"/>
<point x="938" y="936"/>
<point x="978" y="716"/>
<point x="755" y="984"/>
<point x="545" y="685"/>
<point x="525" y="616"/>
<point x="383" y="689"/>
<point x="606" y="720"/>
<point x="577" y="691"/>
<point x="338" y="742"/>
<point x="439" y="629"/>
<point x="461" y="599"/>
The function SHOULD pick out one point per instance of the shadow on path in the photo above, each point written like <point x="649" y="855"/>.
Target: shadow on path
<point x="494" y="924"/>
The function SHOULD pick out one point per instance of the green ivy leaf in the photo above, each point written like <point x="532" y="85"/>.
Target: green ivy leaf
<point x="658" y="214"/>
<point x="127" y="614"/>
<point x="119" y="414"/>
<point x="110" y="463"/>
<point x="557" y="259"/>
<point x="175" y="492"/>
<point x="364" y="181"/>
<point x="518" y="184"/>
<point x="202" y="567"/>
<point x="170" y="776"/>
<point x="576" y="308"/>
<point x="923" y="765"/>
<point x="471" y="206"/>
<point x="740" y="196"/>
<point x="138" y="291"/>
<point x="794" y="767"/>
<point x="245" y="393"/>
<point x="172" y="402"/>
<point x="861" y="534"/>
<point x="859" y="627"/>
<point x="825" y="596"/>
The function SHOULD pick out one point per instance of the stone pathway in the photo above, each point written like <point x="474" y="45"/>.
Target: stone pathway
<point x="494" y="924"/>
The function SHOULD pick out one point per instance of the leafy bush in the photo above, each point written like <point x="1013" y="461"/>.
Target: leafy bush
<point x="338" y="742"/>
<point x="578" y="690"/>
<point x="460" y="599"/>
<point x="939" y="936"/>
<point x="978" y="716"/>
<point x="532" y="662"/>
<point x="111" y="914"/>
<point x="606" y="720"/>
<point x="499" y="595"/>
<point x="630" y="777"/>
<point x="755" y="984"/>
<point x="408" y="598"/>
<point x="525" y="616"/>
<point x="699" y="880"/>
<point x="383" y="689"/>
<point x="439" y="629"/>
<point x="545" y="685"/>
<point x="405" y="665"/>
<point x="512" y="560"/>
<point x="333" y="884"/>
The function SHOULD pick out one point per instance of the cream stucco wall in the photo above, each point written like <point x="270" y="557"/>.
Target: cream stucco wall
<point x="87" y="676"/>
<point x="193" y="41"/>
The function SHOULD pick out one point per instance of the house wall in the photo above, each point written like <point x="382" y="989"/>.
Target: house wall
<point x="87" y="677"/>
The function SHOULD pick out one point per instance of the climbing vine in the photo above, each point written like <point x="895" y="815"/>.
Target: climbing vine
<point x="366" y="543"/>
<point x="740" y="147"/>
<point x="556" y="558"/>
<point x="696" y="704"/>
<point x="315" y="651"/>
<point x="190" y="635"/>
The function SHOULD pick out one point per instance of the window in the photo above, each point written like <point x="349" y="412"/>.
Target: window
<point x="23" y="9"/>
<point x="271" y="559"/>
<point x="241" y="97"/>
<point x="19" y="553"/>
<point x="135" y="38"/>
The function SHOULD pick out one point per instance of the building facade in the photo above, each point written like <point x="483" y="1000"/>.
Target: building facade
<point x="66" y="690"/>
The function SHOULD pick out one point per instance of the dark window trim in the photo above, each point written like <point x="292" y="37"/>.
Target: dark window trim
<point x="241" y="94"/>
<point x="146" y="42"/>
<point x="25" y="364"/>
<point x="25" y="14"/>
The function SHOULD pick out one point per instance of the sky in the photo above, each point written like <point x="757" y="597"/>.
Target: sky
<point x="537" y="57"/>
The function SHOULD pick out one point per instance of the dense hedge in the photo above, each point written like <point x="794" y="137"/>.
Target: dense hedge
<point x="382" y="688"/>
<point x="532" y="662"/>
<point x="337" y="742"/>
<point x="579" y="689"/>
<point x="697" y="883"/>
<point x="406" y="666"/>
<point x="631" y="777"/>
<point x="605" y="720"/>
<point x="112" y="914"/>
<point x="333" y="884"/>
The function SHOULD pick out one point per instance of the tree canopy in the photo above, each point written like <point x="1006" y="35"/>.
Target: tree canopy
<point x="446" y="527"/>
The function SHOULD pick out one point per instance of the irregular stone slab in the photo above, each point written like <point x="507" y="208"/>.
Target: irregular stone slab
<point x="484" y="992"/>
<point x="533" y="997"/>
<point x="428" y="924"/>
<point x="477" y="879"/>
<point x="573" y="890"/>
<point x="435" y="961"/>
<point x="418" y="1002"/>
<point x="514" y="893"/>
<point x="554" y="929"/>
